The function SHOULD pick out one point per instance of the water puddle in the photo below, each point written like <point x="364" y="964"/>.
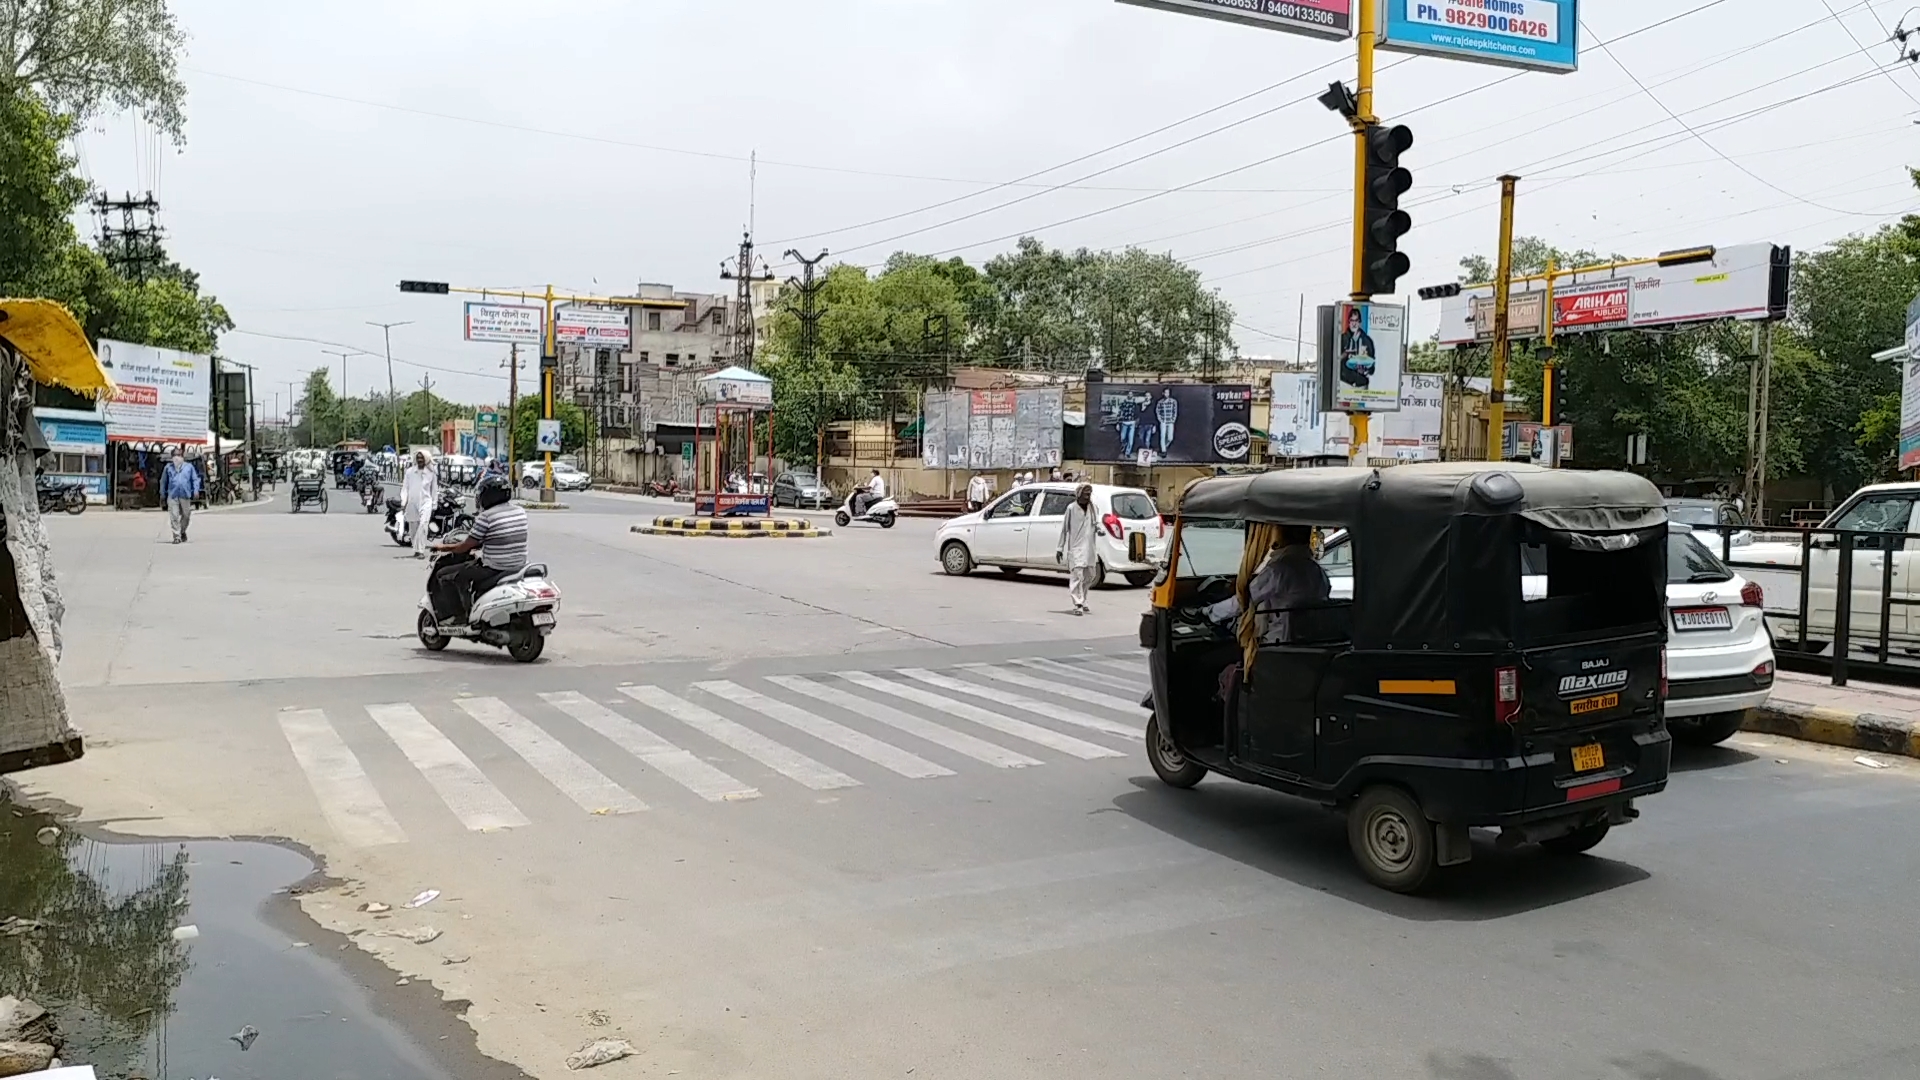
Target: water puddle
<point x="91" y="932"/>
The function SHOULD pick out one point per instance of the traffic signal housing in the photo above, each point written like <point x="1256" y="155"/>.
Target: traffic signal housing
<point x="439" y="287"/>
<point x="1383" y="182"/>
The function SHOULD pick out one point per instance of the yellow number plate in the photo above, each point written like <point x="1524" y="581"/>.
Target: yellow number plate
<point x="1594" y="704"/>
<point x="1589" y="757"/>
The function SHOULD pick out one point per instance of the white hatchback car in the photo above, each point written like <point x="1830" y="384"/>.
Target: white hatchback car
<point x="1719" y="650"/>
<point x="1021" y="531"/>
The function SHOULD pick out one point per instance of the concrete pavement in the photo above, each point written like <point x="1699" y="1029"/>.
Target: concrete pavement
<point x="924" y="852"/>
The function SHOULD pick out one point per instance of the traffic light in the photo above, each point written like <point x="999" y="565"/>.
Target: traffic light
<point x="1553" y="388"/>
<point x="1382" y="261"/>
<point x="1440" y="292"/>
<point x="424" y="286"/>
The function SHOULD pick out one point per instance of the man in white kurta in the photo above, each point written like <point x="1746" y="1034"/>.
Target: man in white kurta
<point x="1078" y="536"/>
<point x="418" y="493"/>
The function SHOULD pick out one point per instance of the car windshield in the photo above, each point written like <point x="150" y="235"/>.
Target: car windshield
<point x="1209" y="547"/>
<point x="1694" y="514"/>
<point x="1690" y="563"/>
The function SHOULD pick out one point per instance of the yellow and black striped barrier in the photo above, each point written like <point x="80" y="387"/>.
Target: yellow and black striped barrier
<point x="737" y="528"/>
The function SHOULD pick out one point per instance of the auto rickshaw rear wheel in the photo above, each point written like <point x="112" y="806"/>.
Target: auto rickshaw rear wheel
<point x="1391" y="838"/>
<point x="1579" y="840"/>
<point x="1174" y="768"/>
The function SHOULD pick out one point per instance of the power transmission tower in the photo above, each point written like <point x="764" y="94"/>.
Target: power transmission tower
<point x="743" y="275"/>
<point x="809" y="286"/>
<point x="132" y="247"/>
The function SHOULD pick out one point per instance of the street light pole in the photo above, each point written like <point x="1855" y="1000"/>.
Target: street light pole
<point x="343" y="354"/>
<point x="393" y="398"/>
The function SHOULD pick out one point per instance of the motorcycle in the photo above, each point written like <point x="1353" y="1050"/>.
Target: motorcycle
<point x="666" y="490"/>
<point x="881" y="512"/>
<point x="449" y="515"/>
<point x="371" y="491"/>
<point x="516" y="614"/>
<point x="53" y="495"/>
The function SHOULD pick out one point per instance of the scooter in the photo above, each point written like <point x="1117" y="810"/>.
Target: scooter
<point x="371" y="491"/>
<point x="449" y="514"/>
<point x="53" y="495"/>
<point x="881" y="512"/>
<point x="516" y="614"/>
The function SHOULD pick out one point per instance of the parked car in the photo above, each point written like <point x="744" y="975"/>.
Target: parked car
<point x="1021" y="530"/>
<point x="1711" y="519"/>
<point x="565" y="476"/>
<point x="459" y="469"/>
<point x="1878" y="515"/>
<point x="1719" y="652"/>
<point x="797" y="488"/>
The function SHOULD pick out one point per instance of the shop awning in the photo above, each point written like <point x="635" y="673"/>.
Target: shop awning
<point x="55" y="348"/>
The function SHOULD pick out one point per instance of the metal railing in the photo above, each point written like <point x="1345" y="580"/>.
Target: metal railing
<point x="1817" y="645"/>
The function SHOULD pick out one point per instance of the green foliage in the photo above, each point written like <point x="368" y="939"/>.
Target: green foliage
<point x="807" y="396"/>
<point x="38" y="192"/>
<point x="80" y="56"/>
<point x="575" y="429"/>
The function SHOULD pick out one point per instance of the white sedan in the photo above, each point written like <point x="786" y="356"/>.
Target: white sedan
<point x="1021" y="530"/>
<point x="565" y="476"/>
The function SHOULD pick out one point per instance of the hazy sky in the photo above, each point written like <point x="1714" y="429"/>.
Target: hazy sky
<point x="335" y="148"/>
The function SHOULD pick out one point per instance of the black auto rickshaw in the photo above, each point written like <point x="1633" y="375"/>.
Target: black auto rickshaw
<point x="1430" y="693"/>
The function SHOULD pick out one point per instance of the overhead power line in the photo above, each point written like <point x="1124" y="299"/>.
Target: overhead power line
<point x="357" y="350"/>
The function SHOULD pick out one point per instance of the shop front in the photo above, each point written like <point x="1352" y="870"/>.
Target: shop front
<point x="77" y="450"/>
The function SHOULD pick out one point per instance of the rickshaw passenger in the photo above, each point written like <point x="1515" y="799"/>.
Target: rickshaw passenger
<point x="1289" y="577"/>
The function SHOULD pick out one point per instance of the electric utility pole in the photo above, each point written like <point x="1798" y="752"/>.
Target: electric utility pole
<point x="743" y="275"/>
<point x="386" y="331"/>
<point x="809" y="286"/>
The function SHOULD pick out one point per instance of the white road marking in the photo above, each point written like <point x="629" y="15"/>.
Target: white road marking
<point x="564" y="769"/>
<point x="1006" y="725"/>
<point x="678" y="765"/>
<point x="885" y="755"/>
<point x="1055" y="686"/>
<point x="1092" y="676"/>
<point x="1038" y="708"/>
<point x="957" y="741"/>
<point x="346" y="796"/>
<point x="461" y="785"/>
<point x="781" y="759"/>
<point x="1135" y="668"/>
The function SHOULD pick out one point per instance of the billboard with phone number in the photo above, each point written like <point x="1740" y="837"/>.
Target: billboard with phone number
<point x="1321" y="18"/>
<point x="1540" y="35"/>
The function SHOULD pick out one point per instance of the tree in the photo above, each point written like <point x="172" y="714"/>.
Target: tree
<point x="82" y="55"/>
<point x="320" y="412"/>
<point x="807" y="396"/>
<point x="575" y="429"/>
<point x="38" y="192"/>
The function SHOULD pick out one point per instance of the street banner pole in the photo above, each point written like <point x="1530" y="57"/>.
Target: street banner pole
<point x="1502" y="291"/>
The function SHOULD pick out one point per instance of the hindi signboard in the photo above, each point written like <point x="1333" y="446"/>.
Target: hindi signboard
<point x="992" y="429"/>
<point x="160" y="395"/>
<point x="594" y="327"/>
<point x="506" y="324"/>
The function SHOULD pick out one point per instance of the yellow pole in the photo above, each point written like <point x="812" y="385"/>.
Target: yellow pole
<point x="1550" y="374"/>
<point x="549" y="363"/>
<point x="1363" y="106"/>
<point x="1502" y="292"/>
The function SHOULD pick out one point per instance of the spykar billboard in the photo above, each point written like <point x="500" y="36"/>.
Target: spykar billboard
<point x="1169" y="423"/>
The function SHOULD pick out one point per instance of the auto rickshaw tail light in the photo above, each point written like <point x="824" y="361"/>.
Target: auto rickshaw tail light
<point x="1506" y="694"/>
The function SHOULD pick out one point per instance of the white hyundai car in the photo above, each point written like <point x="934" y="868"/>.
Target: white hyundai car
<point x="1021" y="531"/>
<point x="1719" y="650"/>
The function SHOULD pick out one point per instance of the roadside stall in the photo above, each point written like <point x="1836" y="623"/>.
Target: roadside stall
<point x="39" y="342"/>
<point x="730" y="476"/>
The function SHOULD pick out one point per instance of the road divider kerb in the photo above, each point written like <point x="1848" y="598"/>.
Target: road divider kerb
<point x="535" y="504"/>
<point x="1837" y="727"/>
<point x="797" y="531"/>
<point x="731" y="524"/>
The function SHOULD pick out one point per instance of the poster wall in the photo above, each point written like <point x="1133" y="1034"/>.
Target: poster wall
<point x="160" y="395"/>
<point x="1296" y="427"/>
<point x="992" y="429"/>
<point x="1362" y="354"/>
<point x="1413" y="433"/>
<point x="1169" y="423"/>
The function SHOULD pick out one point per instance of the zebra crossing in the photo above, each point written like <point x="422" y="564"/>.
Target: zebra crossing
<point x="909" y="723"/>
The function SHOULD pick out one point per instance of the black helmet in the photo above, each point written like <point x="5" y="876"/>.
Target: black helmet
<point x="492" y="492"/>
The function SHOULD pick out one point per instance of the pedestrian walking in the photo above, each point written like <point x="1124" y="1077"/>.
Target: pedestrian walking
<point x="979" y="491"/>
<point x="420" y="489"/>
<point x="179" y="485"/>
<point x="1075" y="549"/>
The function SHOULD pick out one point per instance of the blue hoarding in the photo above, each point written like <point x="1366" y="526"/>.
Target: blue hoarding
<point x="1542" y="35"/>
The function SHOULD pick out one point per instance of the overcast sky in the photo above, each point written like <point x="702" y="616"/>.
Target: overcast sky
<point x="333" y="149"/>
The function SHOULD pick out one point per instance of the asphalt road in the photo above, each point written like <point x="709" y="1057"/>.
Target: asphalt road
<point x="833" y="814"/>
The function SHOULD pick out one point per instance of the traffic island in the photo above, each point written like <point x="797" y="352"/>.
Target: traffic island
<point x="735" y="528"/>
<point x="1873" y="732"/>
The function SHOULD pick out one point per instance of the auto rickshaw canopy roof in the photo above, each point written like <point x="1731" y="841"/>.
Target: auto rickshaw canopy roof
<point x="47" y="335"/>
<point x="1436" y="546"/>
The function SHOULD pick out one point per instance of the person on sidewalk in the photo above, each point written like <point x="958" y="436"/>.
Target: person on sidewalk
<point x="418" y="493"/>
<point x="1075" y="549"/>
<point x="179" y="486"/>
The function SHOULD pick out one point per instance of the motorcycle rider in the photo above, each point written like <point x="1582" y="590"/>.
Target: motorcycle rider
<point x="420" y="490"/>
<point x="499" y="534"/>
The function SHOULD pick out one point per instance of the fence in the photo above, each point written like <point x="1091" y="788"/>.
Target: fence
<point x="1848" y="596"/>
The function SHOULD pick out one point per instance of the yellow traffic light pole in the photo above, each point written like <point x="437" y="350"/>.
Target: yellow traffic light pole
<point x="1502" y="292"/>
<point x="1368" y="16"/>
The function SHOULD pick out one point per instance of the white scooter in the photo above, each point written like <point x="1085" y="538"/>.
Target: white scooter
<point x="516" y="614"/>
<point x="881" y="512"/>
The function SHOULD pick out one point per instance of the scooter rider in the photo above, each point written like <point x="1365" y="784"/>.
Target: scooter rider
<point x="875" y="490"/>
<point x="499" y="534"/>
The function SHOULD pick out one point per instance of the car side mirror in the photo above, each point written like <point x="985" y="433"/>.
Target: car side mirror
<point x="1137" y="547"/>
